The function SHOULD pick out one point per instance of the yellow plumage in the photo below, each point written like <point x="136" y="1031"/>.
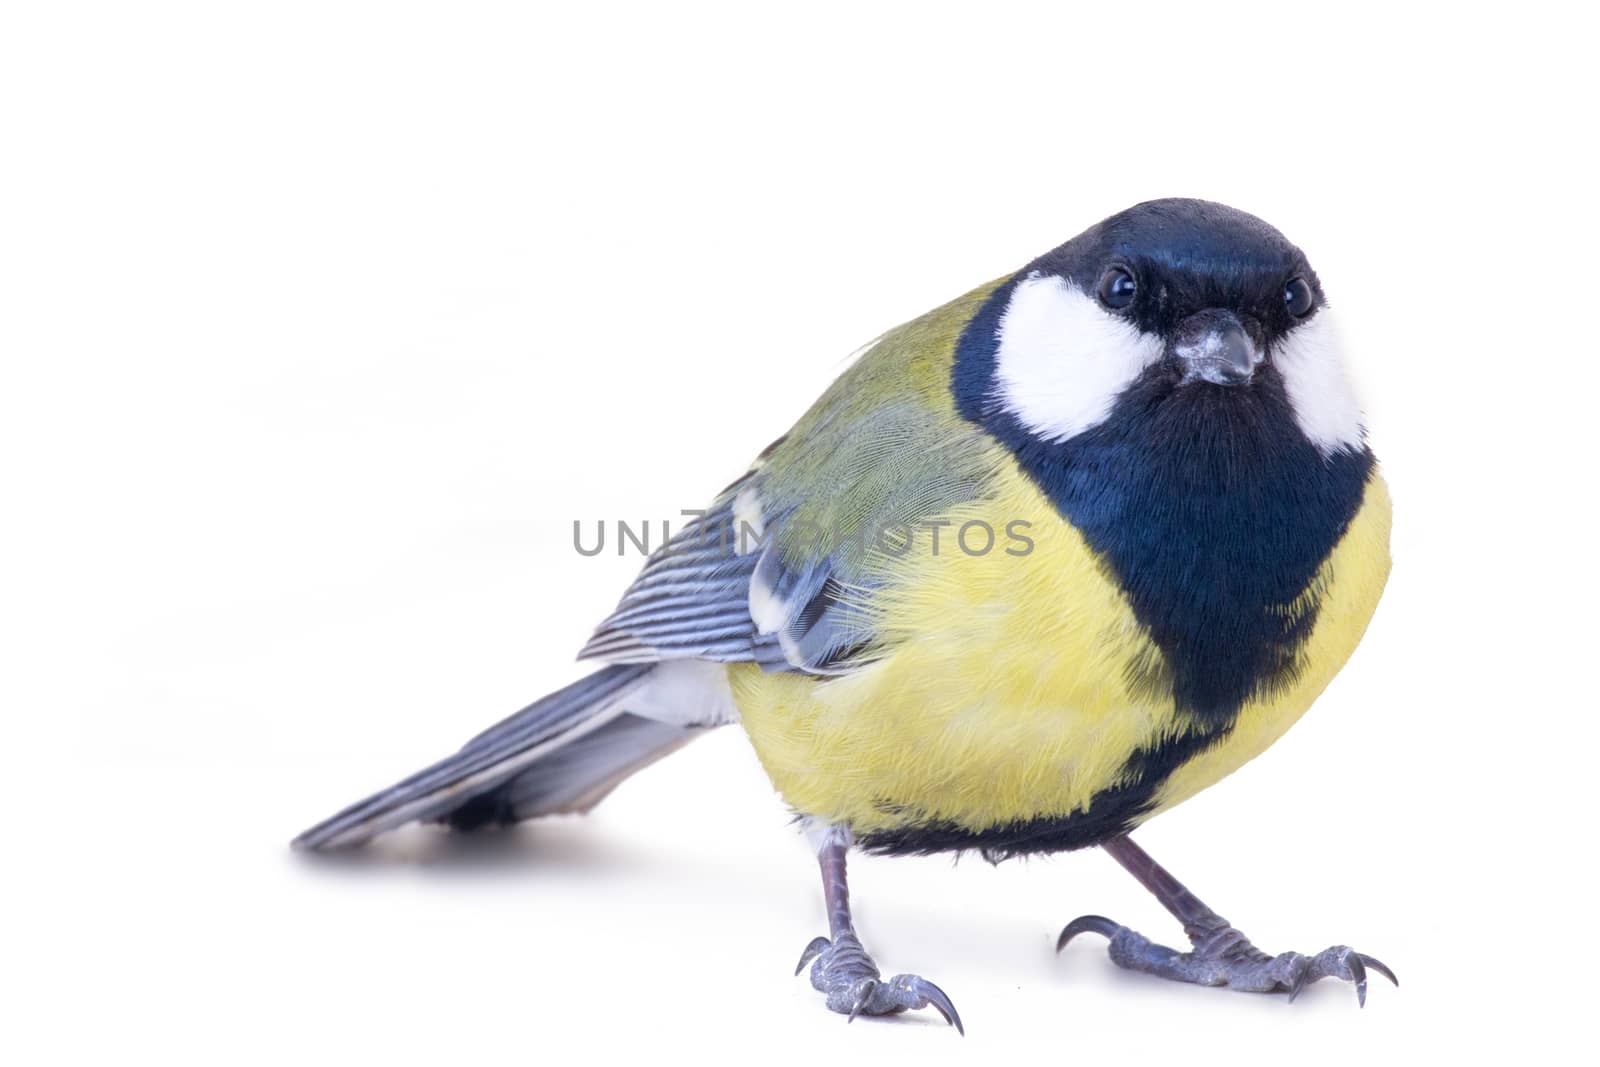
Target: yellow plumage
<point x="1019" y="686"/>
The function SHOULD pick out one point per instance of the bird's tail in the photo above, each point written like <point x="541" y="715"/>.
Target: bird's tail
<point x="560" y="754"/>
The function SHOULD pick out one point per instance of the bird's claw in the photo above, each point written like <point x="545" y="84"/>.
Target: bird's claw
<point x="863" y="991"/>
<point x="1339" y="961"/>
<point x="846" y="975"/>
<point x="1084" y="924"/>
<point x="1230" y="959"/>
<point x="812" y="951"/>
<point x="921" y="993"/>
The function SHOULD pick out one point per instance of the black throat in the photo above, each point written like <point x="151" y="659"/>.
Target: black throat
<point x="1215" y="514"/>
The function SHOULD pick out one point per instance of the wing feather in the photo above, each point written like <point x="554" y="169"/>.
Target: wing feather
<point x="782" y="568"/>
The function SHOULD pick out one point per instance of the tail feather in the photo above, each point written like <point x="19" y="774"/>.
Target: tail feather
<point x="576" y="776"/>
<point x="550" y="732"/>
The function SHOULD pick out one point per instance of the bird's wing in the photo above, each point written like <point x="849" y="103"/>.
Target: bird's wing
<point x="782" y="568"/>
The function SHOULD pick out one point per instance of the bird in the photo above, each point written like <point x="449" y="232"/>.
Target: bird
<point x="1036" y="567"/>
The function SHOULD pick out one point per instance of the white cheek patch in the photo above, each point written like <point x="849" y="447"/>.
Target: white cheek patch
<point x="1324" y="402"/>
<point x="1063" y="360"/>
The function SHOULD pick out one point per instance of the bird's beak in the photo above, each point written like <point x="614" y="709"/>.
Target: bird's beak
<point x="1214" y="346"/>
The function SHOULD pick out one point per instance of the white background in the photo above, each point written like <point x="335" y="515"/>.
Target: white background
<point x="322" y="322"/>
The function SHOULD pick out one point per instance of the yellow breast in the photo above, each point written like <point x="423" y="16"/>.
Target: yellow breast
<point x="1017" y="686"/>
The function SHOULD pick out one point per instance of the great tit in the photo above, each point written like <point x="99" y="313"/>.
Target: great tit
<point x="1040" y="564"/>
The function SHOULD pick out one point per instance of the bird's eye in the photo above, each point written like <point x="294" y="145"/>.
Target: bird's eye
<point x="1117" y="288"/>
<point x="1298" y="297"/>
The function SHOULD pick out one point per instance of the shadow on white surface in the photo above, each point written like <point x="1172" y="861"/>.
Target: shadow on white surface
<point x="565" y="849"/>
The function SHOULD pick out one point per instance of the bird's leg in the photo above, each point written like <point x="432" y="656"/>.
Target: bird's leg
<point x="843" y="971"/>
<point x="1221" y="954"/>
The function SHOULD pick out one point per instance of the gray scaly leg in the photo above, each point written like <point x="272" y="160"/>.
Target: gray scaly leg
<point x="843" y="970"/>
<point x="1221" y="954"/>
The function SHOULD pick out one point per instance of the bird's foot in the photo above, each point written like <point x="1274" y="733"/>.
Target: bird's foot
<point x="846" y="975"/>
<point x="1224" y="956"/>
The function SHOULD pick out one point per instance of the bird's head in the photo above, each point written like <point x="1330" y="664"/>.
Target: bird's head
<point x="1172" y="302"/>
